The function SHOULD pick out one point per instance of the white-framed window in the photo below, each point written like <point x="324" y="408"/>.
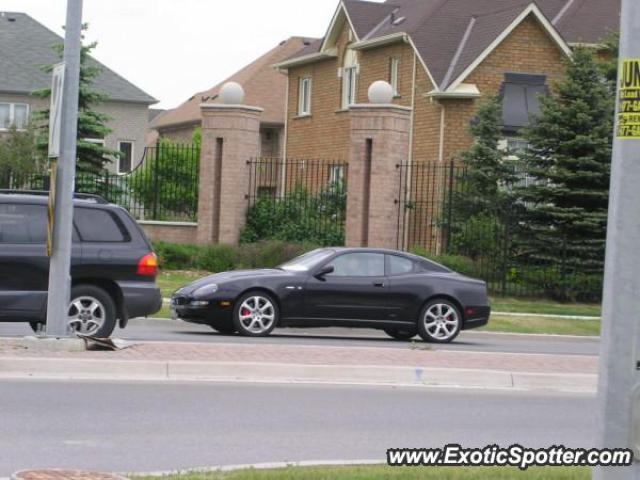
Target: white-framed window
<point x="349" y="78"/>
<point x="125" y="161"/>
<point x="304" y="96"/>
<point x="394" y="75"/>
<point x="14" y="114"/>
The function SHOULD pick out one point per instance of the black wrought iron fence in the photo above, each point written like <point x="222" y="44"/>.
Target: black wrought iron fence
<point x="163" y="187"/>
<point x="441" y="214"/>
<point x="296" y="200"/>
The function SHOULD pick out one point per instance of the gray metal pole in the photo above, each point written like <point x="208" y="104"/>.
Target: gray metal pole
<point x="620" y="350"/>
<point x="60" y="266"/>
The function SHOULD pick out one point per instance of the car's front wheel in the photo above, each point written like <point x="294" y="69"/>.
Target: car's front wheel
<point x="256" y="314"/>
<point x="402" y="334"/>
<point x="440" y="321"/>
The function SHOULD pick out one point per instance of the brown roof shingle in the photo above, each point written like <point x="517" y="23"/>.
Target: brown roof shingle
<point x="264" y="86"/>
<point x="437" y="27"/>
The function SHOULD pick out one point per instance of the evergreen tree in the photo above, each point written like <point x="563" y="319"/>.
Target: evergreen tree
<point x="487" y="175"/>
<point x="92" y="156"/>
<point x="609" y="60"/>
<point x="18" y="157"/>
<point x="569" y="160"/>
<point x="482" y="196"/>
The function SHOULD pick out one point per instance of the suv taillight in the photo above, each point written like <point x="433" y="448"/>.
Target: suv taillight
<point x="148" y="265"/>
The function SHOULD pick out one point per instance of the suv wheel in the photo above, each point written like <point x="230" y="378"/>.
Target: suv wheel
<point x="256" y="314"/>
<point x="92" y="311"/>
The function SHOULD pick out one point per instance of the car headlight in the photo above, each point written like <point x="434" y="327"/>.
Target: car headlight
<point x="206" y="290"/>
<point x="199" y="303"/>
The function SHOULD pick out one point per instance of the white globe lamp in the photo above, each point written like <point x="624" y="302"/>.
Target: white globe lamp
<point x="232" y="93"/>
<point x="380" y="93"/>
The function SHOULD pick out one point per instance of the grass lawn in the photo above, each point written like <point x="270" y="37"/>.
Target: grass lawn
<point x="547" y="307"/>
<point x="551" y="326"/>
<point x="391" y="473"/>
<point x="170" y="281"/>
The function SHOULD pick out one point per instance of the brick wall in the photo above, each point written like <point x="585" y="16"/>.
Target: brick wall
<point x="185" y="234"/>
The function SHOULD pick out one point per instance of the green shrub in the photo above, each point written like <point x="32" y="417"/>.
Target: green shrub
<point x="457" y="263"/>
<point x="300" y="217"/>
<point x="173" y="256"/>
<point x="559" y="285"/>
<point x="220" y="258"/>
<point x="269" y="254"/>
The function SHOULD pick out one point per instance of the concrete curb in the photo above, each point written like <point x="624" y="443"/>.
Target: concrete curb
<point x="259" y="466"/>
<point x="92" y="369"/>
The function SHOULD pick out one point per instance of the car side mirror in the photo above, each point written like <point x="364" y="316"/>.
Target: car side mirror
<point x="324" y="271"/>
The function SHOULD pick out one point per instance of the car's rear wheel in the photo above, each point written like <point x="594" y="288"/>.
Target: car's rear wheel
<point x="440" y="321"/>
<point x="256" y="314"/>
<point x="92" y="311"/>
<point x="401" y="334"/>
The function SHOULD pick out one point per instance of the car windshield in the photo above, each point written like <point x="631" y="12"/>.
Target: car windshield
<point x="307" y="261"/>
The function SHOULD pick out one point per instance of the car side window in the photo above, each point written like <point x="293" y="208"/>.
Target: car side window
<point x="358" y="265"/>
<point x="96" y="225"/>
<point x="399" y="265"/>
<point x="21" y="223"/>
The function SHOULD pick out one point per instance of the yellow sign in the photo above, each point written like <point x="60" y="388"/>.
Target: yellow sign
<point x="51" y="212"/>
<point x="629" y="101"/>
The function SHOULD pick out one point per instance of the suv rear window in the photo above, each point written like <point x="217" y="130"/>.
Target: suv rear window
<point x="21" y="223"/>
<point x="99" y="226"/>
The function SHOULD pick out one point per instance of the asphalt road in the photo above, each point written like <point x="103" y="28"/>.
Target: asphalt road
<point x="178" y="331"/>
<point x="150" y="427"/>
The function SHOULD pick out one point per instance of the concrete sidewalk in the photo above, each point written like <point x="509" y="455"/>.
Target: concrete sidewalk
<point x="305" y="364"/>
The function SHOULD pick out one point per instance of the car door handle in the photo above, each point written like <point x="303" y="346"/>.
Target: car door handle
<point x="378" y="284"/>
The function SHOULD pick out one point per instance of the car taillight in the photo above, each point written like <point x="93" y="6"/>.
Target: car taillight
<point x="148" y="265"/>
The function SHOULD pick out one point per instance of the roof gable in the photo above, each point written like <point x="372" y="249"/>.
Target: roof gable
<point x="450" y="35"/>
<point x="488" y="32"/>
<point x="27" y="45"/>
<point x="264" y="87"/>
<point x="340" y="17"/>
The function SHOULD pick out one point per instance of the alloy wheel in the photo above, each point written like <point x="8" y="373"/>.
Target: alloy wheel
<point x="441" y="321"/>
<point x="257" y="314"/>
<point x="86" y="315"/>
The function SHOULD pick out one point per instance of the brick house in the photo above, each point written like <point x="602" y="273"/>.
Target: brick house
<point x="26" y="47"/>
<point x="441" y="57"/>
<point x="264" y="87"/>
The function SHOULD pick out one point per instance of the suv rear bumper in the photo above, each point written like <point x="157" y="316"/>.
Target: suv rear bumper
<point x="140" y="299"/>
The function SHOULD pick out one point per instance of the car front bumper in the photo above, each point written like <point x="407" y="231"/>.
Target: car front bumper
<point x="216" y="310"/>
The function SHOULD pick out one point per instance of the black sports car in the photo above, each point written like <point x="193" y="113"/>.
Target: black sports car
<point x="402" y="294"/>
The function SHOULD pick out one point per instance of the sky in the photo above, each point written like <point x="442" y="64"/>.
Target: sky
<point x="172" y="49"/>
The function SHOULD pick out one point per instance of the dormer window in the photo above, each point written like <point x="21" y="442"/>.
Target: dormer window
<point x="349" y="78"/>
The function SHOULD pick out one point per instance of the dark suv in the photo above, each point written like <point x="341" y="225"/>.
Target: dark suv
<point x="113" y="267"/>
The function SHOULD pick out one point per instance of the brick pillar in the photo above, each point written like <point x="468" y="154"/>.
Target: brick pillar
<point x="230" y="137"/>
<point x="380" y="136"/>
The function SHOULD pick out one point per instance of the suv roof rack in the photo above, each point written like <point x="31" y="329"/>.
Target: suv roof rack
<point x="80" y="196"/>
